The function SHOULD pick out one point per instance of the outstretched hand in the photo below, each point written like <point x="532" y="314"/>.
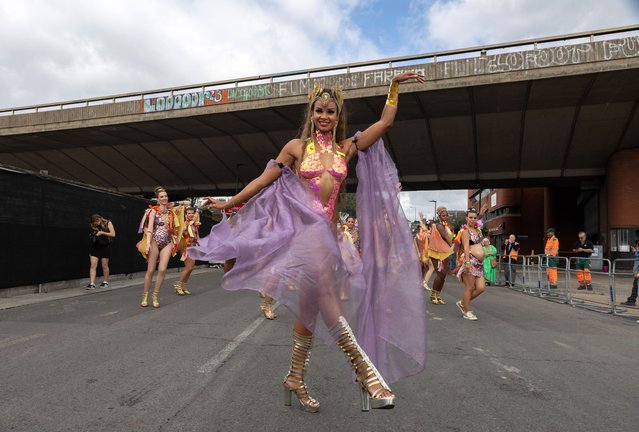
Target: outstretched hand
<point x="220" y="205"/>
<point x="408" y="76"/>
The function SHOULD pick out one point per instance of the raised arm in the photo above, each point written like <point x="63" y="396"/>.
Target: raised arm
<point x="289" y="154"/>
<point x="379" y="128"/>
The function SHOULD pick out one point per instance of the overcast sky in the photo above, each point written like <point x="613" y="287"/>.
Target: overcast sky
<point x="56" y="50"/>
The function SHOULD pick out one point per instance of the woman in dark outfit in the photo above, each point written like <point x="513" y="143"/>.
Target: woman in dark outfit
<point x="102" y="232"/>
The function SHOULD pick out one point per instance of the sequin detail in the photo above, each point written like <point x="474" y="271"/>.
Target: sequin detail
<point x="312" y="169"/>
<point x="161" y="233"/>
<point x="476" y="266"/>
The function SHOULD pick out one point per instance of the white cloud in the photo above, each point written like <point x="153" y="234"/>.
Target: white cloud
<point x="68" y="49"/>
<point x="465" y="23"/>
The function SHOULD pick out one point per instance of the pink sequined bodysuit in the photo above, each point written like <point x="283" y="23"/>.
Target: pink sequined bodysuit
<point x="161" y="232"/>
<point x="312" y="168"/>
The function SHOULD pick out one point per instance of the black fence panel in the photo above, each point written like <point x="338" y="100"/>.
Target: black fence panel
<point x="44" y="229"/>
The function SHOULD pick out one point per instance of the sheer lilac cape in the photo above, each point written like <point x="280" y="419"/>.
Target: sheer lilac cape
<point x="286" y="249"/>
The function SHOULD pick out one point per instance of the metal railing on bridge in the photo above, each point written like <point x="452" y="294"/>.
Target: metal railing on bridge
<point x="347" y="68"/>
<point x="605" y="286"/>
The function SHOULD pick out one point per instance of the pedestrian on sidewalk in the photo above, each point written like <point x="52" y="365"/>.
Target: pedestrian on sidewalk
<point x="552" y="250"/>
<point x="583" y="250"/>
<point x="632" y="300"/>
<point x="490" y="261"/>
<point x="511" y="258"/>
<point x="101" y="235"/>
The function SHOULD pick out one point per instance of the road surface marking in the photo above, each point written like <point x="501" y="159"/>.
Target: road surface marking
<point x="109" y="313"/>
<point x="7" y="342"/>
<point x="219" y="358"/>
<point x="564" y="345"/>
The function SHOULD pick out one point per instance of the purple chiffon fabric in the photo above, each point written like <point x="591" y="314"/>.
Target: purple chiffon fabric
<point x="392" y="318"/>
<point x="285" y="248"/>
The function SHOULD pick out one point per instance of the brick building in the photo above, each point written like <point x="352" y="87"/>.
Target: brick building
<point x="606" y="209"/>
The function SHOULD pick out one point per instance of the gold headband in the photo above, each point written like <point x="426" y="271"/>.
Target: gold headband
<point x="325" y="95"/>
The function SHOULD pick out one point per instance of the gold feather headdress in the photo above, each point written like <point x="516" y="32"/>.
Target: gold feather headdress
<point x="326" y="94"/>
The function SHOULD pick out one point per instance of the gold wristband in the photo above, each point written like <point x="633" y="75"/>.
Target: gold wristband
<point x="393" y="93"/>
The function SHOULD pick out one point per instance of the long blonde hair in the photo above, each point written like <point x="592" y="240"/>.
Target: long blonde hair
<point x="340" y="131"/>
<point x="99" y="223"/>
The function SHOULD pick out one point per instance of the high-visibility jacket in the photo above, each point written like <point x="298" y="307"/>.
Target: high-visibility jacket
<point x="514" y="252"/>
<point x="552" y="246"/>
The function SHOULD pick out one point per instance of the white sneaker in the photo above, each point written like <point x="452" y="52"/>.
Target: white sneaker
<point x="470" y="316"/>
<point x="461" y="308"/>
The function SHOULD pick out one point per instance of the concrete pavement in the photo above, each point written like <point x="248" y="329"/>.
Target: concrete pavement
<point x="209" y="362"/>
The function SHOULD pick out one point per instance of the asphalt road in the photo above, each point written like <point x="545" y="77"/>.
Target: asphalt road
<point x="209" y="362"/>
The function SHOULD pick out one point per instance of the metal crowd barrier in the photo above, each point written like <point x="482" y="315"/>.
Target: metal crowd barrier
<point x="608" y="287"/>
<point x="622" y="279"/>
<point x="598" y="295"/>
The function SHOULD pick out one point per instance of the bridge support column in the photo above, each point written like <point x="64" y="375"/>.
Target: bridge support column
<point x="622" y="206"/>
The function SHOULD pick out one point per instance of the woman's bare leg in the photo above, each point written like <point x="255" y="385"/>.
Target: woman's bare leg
<point x="105" y="269"/>
<point x="93" y="267"/>
<point x="431" y="270"/>
<point x="165" y="255"/>
<point x="480" y="287"/>
<point x="299" y="328"/>
<point x="440" y="276"/>
<point x="189" y="265"/>
<point x="150" y="267"/>
<point x="469" y="286"/>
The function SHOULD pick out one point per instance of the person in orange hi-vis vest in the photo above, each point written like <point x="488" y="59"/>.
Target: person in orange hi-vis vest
<point x="583" y="249"/>
<point x="551" y="250"/>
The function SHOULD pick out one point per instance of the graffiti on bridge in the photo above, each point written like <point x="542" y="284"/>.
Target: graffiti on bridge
<point x="185" y="100"/>
<point x="541" y="58"/>
<point x="464" y="67"/>
<point x="621" y="48"/>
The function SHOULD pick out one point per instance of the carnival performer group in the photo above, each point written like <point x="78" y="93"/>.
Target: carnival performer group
<point x="286" y="246"/>
<point x="161" y="226"/>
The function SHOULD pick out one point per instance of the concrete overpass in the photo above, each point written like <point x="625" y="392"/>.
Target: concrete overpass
<point x="549" y="111"/>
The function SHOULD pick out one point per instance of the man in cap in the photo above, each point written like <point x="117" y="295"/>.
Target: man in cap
<point x="551" y="250"/>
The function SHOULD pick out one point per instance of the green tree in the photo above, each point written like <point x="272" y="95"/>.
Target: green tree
<point x="348" y="204"/>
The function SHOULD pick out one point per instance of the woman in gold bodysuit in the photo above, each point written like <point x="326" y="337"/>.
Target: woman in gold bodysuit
<point x="320" y="158"/>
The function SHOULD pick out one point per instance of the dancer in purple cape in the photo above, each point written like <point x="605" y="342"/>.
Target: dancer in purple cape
<point x="286" y="245"/>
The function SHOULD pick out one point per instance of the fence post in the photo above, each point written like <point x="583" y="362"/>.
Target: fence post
<point x="613" y="285"/>
<point x="568" y="281"/>
<point x="523" y="272"/>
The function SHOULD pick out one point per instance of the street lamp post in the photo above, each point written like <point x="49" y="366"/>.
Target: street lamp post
<point x="435" y="212"/>
<point x="414" y="213"/>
